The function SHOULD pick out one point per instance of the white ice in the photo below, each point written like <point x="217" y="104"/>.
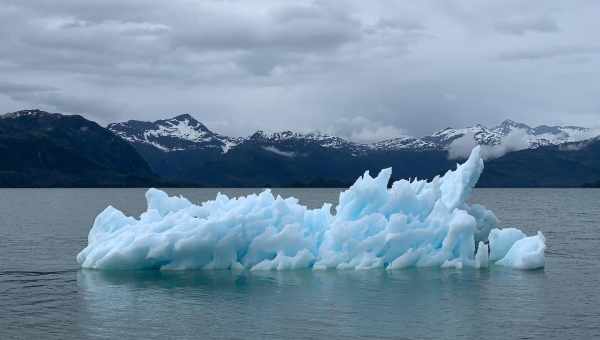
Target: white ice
<point x="526" y="253"/>
<point x="502" y="240"/>
<point x="413" y="223"/>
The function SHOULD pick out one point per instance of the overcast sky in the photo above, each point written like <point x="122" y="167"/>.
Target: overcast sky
<point x="361" y="69"/>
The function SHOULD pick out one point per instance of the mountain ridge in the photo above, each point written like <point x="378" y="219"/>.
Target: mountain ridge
<point x="50" y="149"/>
<point x="184" y="128"/>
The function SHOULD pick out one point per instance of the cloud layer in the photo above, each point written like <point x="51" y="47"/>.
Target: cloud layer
<point x="461" y="148"/>
<point x="365" y="70"/>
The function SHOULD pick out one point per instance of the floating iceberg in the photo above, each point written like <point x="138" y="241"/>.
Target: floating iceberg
<point x="526" y="253"/>
<point x="413" y="223"/>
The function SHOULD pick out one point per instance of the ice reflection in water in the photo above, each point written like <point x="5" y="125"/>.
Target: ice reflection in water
<point x="435" y="303"/>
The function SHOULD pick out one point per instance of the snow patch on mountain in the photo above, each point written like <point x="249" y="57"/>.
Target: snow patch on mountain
<point x="35" y="113"/>
<point x="322" y="140"/>
<point x="183" y="129"/>
<point x="276" y="151"/>
<point x="404" y="143"/>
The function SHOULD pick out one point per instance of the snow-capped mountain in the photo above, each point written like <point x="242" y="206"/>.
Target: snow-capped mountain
<point x="35" y="114"/>
<point x="184" y="132"/>
<point x="531" y="137"/>
<point x="315" y="137"/>
<point x="181" y="132"/>
<point x="404" y="143"/>
<point x="289" y="139"/>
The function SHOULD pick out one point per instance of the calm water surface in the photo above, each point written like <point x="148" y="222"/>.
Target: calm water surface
<point x="43" y="293"/>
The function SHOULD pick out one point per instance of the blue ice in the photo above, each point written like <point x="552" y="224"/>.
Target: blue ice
<point x="412" y="224"/>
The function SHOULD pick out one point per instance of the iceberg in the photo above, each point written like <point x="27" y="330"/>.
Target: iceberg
<point x="413" y="223"/>
<point x="526" y="253"/>
<point x="501" y="240"/>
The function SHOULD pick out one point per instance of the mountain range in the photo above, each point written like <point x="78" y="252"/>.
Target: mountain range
<point x="184" y="132"/>
<point x="63" y="150"/>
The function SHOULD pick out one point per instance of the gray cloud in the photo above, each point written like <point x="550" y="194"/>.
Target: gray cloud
<point x="520" y="25"/>
<point x="364" y="70"/>
<point x="53" y="99"/>
<point x="363" y="130"/>
<point x="547" y="52"/>
<point x="514" y="141"/>
<point x="13" y="89"/>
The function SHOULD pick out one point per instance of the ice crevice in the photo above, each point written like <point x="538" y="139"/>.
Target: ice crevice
<point x="414" y="223"/>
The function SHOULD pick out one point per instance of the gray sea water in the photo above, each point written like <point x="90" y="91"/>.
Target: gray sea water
<point x="43" y="293"/>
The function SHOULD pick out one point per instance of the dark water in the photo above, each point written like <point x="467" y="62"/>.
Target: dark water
<point x="43" y="294"/>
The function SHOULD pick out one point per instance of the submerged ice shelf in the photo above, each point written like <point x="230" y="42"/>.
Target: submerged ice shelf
<point x="413" y="223"/>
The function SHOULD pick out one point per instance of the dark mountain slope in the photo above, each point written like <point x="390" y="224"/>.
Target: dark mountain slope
<point x="257" y="164"/>
<point x="47" y="149"/>
<point x="566" y="165"/>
